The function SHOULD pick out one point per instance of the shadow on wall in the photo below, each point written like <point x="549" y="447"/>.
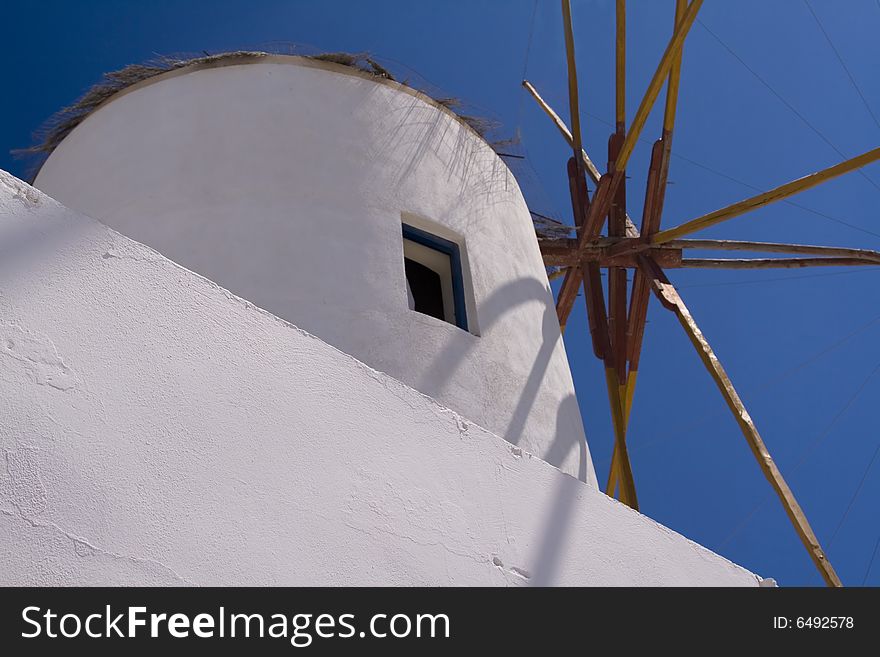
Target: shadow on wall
<point x="22" y="244"/>
<point x="423" y="129"/>
<point x="420" y="130"/>
<point x="504" y="300"/>
<point x="547" y="558"/>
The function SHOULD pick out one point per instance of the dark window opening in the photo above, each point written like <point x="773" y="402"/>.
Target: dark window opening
<point x="434" y="283"/>
<point x="425" y="289"/>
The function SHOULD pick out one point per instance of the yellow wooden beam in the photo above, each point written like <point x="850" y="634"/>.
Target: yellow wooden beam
<point x="592" y="171"/>
<point x="620" y="67"/>
<point x="624" y="468"/>
<point x="765" y="198"/>
<point x="573" y="105"/>
<point x="590" y="167"/>
<point x="670" y="298"/>
<point x="775" y="247"/>
<point x="656" y="84"/>
<point x="674" y="76"/>
<point x="626" y="394"/>
<point x="773" y="263"/>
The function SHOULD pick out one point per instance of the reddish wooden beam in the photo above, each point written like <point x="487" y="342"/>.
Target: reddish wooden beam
<point x="567" y="294"/>
<point x="591" y="170"/>
<point x="773" y="263"/>
<point x="638" y="307"/>
<point x="617" y="286"/>
<point x="563" y="253"/>
<point x="593" y="224"/>
<point x="580" y="203"/>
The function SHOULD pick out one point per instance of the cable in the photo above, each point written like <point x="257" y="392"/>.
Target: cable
<point x="756" y="281"/>
<point x="791" y="107"/>
<point x="805" y="455"/>
<point x="721" y="174"/>
<point x="525" y="68"/>
<point x="786" y="201"/>
<point x="767" y="384"/>
<point x="812" y="446"/>
<point x="877" y="544"/>
<point x="529" y="42"/>
<point x="856" y="493"/>
<point x="843" y="64"/>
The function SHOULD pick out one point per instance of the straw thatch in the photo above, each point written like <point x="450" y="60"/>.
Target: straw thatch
<point x="62" y="123"/>
<point x="549" y="228"/>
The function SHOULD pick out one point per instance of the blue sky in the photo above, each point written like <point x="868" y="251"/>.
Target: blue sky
<point x="801" y="346"/>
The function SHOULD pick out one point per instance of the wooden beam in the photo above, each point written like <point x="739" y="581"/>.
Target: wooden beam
<point x="670" y="260"/>
<point x="674" y="75"/>
<point x="626" y="398"/>
<point x="596" y="313"/>
<point x="595" y="300"/>
<point x="615" y="365"/>
<point x="765" y="198"/>
<point x="591" y="169"/>
<point x="670" y="298"/>
<point x="617" y="284"/>
<point x="668" y="125"/>
<point x="602" y="200"/>
<point x="574" y="275"/>
<point x="599" y="333"/>
<point x="638" y="306"/>
<point x="658" y="172"/>
<point x="570" y="244"/>
<point x="608" y="184"/>
<point x="774" y="247"/>
<point x="571" y="283"/>
<point x="562" y="252"/>
<point x="591" y="278"/>
<point x="573" y="106"/>
<point x="559" y="273"/>
<point x="655" y="193"/>
<point x="624" y="468"/>
<point x="773" y="263"/>
<point x="656" y="84"/>
<point x="620" y="67"/>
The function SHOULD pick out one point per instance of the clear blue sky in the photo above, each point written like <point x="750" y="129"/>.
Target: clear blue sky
<point x="815" y="408"/>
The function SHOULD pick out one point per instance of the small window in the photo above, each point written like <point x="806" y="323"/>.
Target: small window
<point x="433" y="276"/>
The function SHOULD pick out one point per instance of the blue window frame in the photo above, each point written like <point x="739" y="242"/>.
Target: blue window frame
<point x="450" y="250"/>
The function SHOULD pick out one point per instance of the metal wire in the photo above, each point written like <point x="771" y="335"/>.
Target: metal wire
<point x="791" y="107"/>
<point x="754" y="281"/>
<point x="843" y="63"/>
<point x="727" y="176"/>
<point x="855" y="494"/>
<point x="805" y="455"/>
<point x="877" y="544"/>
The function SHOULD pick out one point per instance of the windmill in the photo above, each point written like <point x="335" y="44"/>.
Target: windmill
<point x="617" y="325"/>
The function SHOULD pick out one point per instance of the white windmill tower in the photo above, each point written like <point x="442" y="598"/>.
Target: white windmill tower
<point x="167" y="421"/>
<point x="314" y="190"/>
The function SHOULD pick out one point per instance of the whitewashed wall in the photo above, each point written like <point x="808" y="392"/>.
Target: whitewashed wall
<point x="285" y="181"/>
<point x="156" y="429"/>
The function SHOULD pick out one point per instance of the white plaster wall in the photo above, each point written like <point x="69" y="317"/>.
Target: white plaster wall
<point x="156" y="429"/>
<point x="285" y="181"/>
